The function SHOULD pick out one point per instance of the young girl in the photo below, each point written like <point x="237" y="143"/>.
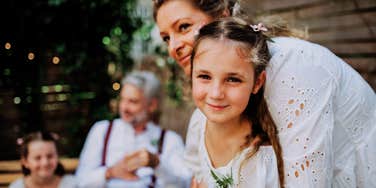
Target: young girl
<point x="228" y="73"/>
<point x="40" y="164"/>
<point x="325" y="112"/>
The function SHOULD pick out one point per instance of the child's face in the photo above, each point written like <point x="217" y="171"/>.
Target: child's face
<point x="178" y="22"/>
<point x="222" y="81"/>
<point x="42" y="159"/>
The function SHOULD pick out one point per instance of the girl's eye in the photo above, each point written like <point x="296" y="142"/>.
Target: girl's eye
<point x="233" y="79"/>
<point x="203" y="76"/>
<point x="50" y="156"/>
<point x="183" y="27"/>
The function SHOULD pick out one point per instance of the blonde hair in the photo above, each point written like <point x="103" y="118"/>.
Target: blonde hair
<point x="216" y="9"/>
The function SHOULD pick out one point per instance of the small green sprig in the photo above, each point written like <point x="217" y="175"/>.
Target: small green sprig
<point x="224" y="181"/>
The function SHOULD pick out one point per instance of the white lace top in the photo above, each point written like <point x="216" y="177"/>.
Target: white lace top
<point x="258" y="171"/>
<point x="325" y="113"/>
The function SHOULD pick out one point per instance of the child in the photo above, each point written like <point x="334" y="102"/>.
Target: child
<point x="40" y="163"/>
<point x="239" y="146"/>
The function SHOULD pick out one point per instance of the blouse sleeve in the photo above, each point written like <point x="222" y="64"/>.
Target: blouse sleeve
<point x="172" y="165"/>
<point x="89" y="172"/>
<point x="191" y="152"/>
<point x="300" y="86"/>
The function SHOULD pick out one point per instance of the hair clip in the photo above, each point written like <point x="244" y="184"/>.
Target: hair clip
<point x="20" y="141"/>
<point x="196" y="33"/>
<point x="258" y="27"/>
<point x="55" y="136"/>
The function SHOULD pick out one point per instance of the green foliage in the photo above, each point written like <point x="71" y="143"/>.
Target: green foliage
<point x="223" y="181"/>
<point x="86" y="35"/>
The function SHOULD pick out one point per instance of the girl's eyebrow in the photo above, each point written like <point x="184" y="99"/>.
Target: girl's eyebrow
<point x="202" y="71"/>
<point x="237" y="74"/>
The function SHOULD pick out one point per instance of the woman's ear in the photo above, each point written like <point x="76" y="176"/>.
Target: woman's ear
<point x="259" y="82"/>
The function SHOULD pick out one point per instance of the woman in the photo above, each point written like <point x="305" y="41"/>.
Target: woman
<point x="323" y="109"/>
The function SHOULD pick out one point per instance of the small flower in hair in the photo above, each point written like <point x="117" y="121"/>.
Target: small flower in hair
<point x="196" y="33"/>
<point x="20" y="141"/>
<point x="55" y="136"/>
<point x="258" y="27"/>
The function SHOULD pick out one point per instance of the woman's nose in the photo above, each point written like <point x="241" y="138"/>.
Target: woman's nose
<point x="176" y="47"/>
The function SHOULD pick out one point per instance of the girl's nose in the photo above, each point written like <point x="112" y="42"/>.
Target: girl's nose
<point x="216" y="91"/>
<point x="44" y="161"/>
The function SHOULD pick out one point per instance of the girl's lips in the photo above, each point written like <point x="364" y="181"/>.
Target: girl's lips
<point x="217" y="107"/>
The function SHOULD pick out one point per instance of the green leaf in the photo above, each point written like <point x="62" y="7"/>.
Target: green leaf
<point x="224" y="181"/>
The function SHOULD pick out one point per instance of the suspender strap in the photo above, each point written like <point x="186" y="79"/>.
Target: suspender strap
<point x="160" y="142"/>
<point x="160" y="148"/>
<point x="104" y="153"/>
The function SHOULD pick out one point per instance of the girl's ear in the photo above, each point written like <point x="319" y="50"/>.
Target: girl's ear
<point x="24" y="162"/>
<point x="259" y="82"/>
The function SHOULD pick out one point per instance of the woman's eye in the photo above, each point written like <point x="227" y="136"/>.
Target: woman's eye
<point x="166" y="39"/>
<point x="233" y="79"/>
<point x="183" y="27"/>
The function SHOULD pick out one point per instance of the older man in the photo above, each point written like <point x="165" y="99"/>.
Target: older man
<point x="132" y="151"/>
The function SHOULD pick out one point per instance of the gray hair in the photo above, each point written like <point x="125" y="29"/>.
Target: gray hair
<point x="146" y="81"/>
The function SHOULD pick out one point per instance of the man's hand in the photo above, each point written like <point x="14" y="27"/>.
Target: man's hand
<point x="141" y="158"/>
<point x="120" y="171"/>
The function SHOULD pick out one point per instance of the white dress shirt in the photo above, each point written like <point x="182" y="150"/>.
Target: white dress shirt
<point x="325" y="113"/>
<point x="171" y="171"/>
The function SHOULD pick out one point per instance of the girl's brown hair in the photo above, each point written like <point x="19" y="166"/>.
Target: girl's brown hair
<point x="254" y="49"/>
<point x="38" y="136"/>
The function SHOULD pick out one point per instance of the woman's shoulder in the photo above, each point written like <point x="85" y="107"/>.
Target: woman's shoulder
<point x="18" y="183"/>
<point x="291" y="44"/>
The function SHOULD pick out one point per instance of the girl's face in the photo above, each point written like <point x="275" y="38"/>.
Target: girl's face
<point x="178" y="22"/>
<point x="222" y="81"/>
<point x="42" y="159"/>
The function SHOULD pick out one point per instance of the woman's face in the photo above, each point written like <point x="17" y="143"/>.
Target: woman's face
<point x="42" y="159"/>
<point x="178" y="22"/>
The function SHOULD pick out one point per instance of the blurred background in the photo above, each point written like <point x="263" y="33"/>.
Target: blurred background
<point x="61" y="61"/>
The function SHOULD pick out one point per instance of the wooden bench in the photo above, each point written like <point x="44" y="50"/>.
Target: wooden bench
<point x="11" y="170"/>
